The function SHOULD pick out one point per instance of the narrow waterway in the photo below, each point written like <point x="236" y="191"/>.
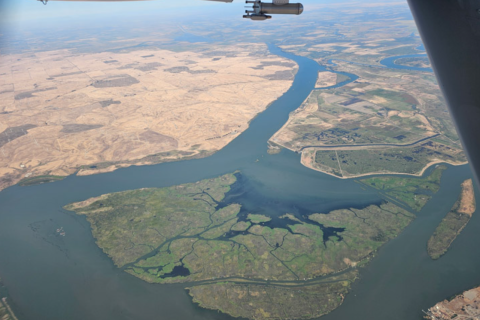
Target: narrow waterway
<point x="54" y="277"/>
<point x="391" y="62"/>
<point x="371" y="144"/>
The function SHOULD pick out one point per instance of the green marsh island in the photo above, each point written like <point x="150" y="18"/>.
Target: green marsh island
<point x="413" y="192"/>
<point x="246" y="265"/>
<point x="243" y="264"/>
<point x="454" y="222"/>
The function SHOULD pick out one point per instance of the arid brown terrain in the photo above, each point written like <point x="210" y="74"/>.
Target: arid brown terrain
<point x="462" y="307"/>
<point x="326" y="79"/>
<point x="63" y="111"/>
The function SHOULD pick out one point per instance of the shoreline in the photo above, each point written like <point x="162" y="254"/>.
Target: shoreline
<point x="87" y="170"/>
<point x="104" y="163"/>
<point x="419" y="174"/>
<point x="303" y="157"/>
<point x="9" y="309"/>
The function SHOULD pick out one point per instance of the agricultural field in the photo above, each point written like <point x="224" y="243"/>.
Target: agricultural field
<point x="385" y="121"/>
<point x="327" y="79"/>
<point x="188" y="233"/>
<point x="379" y="124"/>
<point x="414" y="62"/>
<point x="408" y="160"/>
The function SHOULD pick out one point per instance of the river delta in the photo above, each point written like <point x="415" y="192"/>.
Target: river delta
<point x="272" y="200"/>
<point x="59" y="264"/>
<point x="243" y="264"/>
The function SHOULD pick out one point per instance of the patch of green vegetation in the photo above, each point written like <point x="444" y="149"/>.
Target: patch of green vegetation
<point x="208" y="252"/>
<point x="453" y="223"/>
<point x="400" y="51"/>
<point x="352" y="133"/>
<point x="419" y="62"/>
<point x="195" y="146"/>
<point x="218" y="231"/>
<point x="39" y="179"/>
<point x="414" y="192"/>
<point x="256" y="301"/>
<point x="446" y="232"/>
<point x="408" y="160"/>
<point x="128" y="225"/>
<point x="183" y="234"/>
<point x="290" y="217"/>
<point x="327" y="161"/>
<point x="341" y="78"/>
<point x="241" y="226"/>
<point x="273" y="148"/>
<point x="258" y="218"/>
<point x="414" y="125"/>
<point x="445" y="125"/>
<point x="394" y="99"/>
<point x="356" y="121"/>
<point x="365" y="231"/>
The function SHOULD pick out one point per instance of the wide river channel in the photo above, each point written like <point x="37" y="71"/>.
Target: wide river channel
<point x="67" y="278"/>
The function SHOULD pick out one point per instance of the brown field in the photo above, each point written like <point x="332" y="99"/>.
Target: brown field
<point x="467" y="200"/>
<point x="464" y="306"/>
<point x="326" y="79"/>
<point x="62" y="111"/>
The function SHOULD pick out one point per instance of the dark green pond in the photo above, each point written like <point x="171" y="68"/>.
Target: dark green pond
<point x="50" y="276"/>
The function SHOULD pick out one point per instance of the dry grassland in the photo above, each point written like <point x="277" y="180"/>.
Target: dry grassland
<point x="62" y="112"/>
<point x="467" y="200"/>
<point x="326" y="79"/>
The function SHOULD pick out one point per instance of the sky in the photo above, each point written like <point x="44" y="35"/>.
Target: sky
<point x="18" y="16"/>
<point x="30" y="11"/>
<point x="25" y="11"/>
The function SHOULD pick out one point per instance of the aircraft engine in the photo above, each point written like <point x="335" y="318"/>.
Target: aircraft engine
<point x="261" y="10"/>
<point x="291" y="8"/>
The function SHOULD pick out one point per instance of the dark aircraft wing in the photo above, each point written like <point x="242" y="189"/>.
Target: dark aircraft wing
<point x="450" y="30"/>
